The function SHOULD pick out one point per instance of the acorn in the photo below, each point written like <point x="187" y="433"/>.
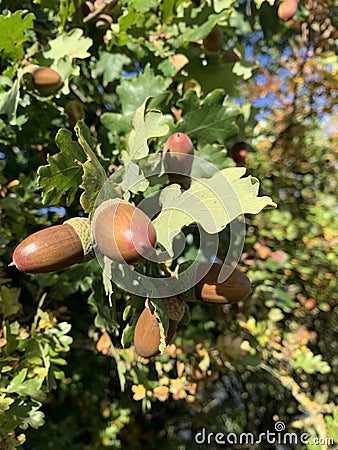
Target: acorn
<point x="287" y="9"/>
<point x="174" y="307"/>
<point x="46" y="80"/>
<point x="213" y="43"/>
<point x="239" y="152"/>
<point x="55" y="248"/>
<point x="178" y="153"/>
<point x="147" y="336"/>
<point x="74" y="111"/>
<point x="123" y="232"/>
<point x="208" y="289"/>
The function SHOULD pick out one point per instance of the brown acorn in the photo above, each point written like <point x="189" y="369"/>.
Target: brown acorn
<point x="287" y="9"/>
<point x="123" y="232"/>
<point x="147" y="338"/>
<point x="174" y="307"/>
<point x="55" y="248"/>
<point x="213" y="43"/>
<point x="46" y="80"/>
<point x="235" y="288"/>
<point x="74" y="111"/>
<point x="239" y="152"/>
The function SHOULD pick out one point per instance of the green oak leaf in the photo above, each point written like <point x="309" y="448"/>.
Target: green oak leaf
<point x="202" y="31"/>
<point x="15" y="383"/>
<point x="145" y="124"/>
<point x="214" y="154"/>
<point x="10" y="301"/>
<point x="220" y="5"/>
<point x="134" y="91"/>
<point x="311" y="363"/>
<point x="212" y="203"/>
<point x="212" y="121"/>
<point x="94" y="175"/>
<point x="133" y="179"/>
<point x="69" y="45"/>
<point x="64" y="49"/>
<point x="9" y="100"/>
<point x="13" y="34"/>
<point x="109" y="65"/>
<point x="244" y="69"/>
<point x="63" y="172"/>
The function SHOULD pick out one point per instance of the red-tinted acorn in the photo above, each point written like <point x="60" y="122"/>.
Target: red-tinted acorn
<point x="123" y="232"/>
<point x="287" y="9"/>
<point x="178" y="154"/>
<point x="235" y="288"/>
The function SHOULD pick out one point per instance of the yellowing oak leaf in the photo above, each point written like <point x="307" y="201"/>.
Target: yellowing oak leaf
<point x="161" y="393"/>
<point x="139" y="392"/>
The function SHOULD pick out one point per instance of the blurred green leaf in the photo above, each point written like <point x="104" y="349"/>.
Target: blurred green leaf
<point x="311" y="363"/>
<point x="14" y="385"/>
<point x="109" y="65"/>
<point x="9" y="298"/>
<point x="13" y="33"/>
<point x="9" y="100"/>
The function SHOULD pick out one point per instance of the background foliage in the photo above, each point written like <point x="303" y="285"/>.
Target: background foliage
<point x="66" y="382"/>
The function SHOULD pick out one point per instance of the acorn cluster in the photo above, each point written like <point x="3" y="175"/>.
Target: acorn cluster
<point x="124" y="233"/>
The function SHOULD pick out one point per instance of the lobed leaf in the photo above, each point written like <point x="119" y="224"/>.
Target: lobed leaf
<point x="63" y="172"/>
<point x="213" y="203"/>
<point x="13" y="34"/>
<point x="94" y="175"/>
<point x="145" y="124"/>
<point x="212" y="121"/>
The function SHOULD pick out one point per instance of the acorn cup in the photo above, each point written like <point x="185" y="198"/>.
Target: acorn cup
<point x="55" y="248"/>
<point x="234" y="289"/>
<point x="123" y="232"/>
